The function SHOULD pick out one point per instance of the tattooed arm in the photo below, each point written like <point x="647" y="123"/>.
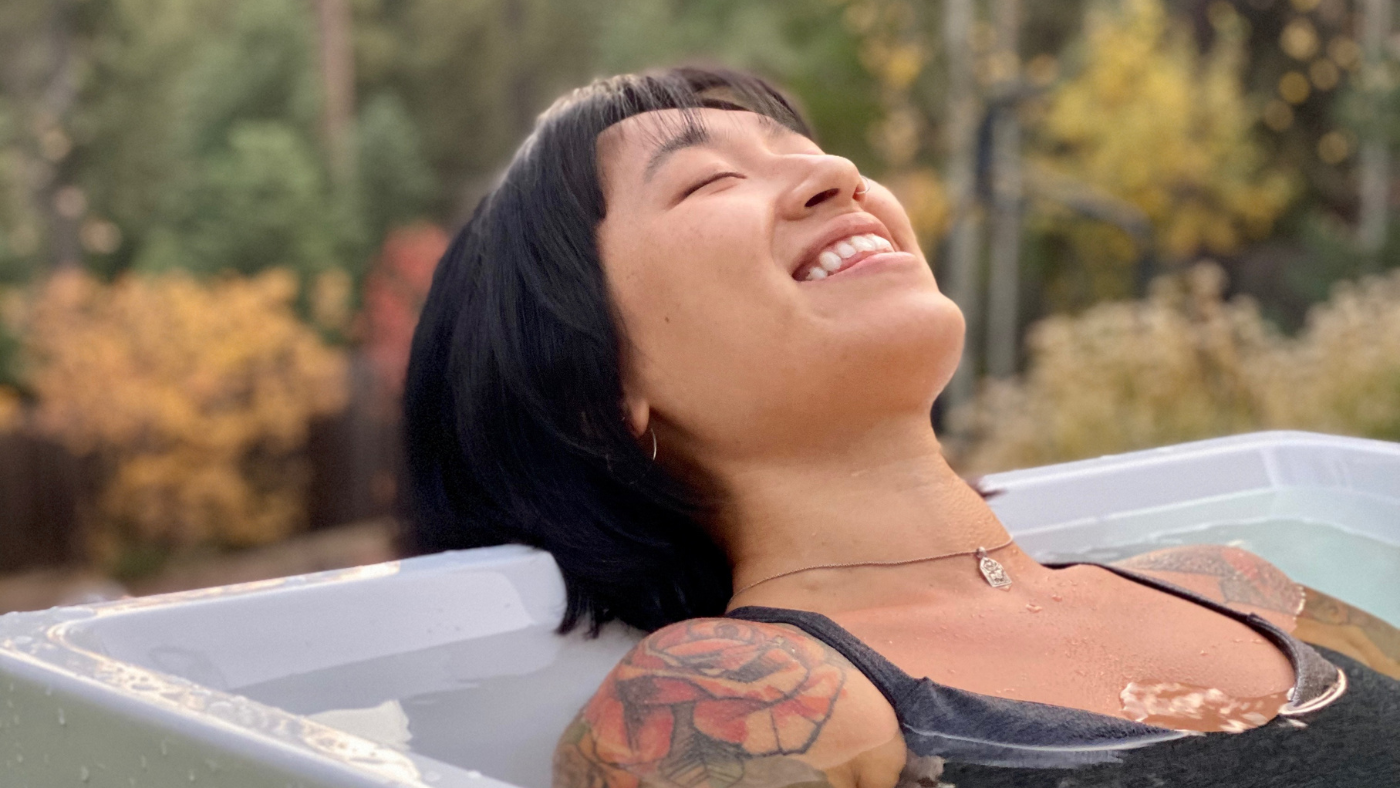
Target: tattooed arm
<point x="1247" y="582"/>
<point x="1332" y="623"/>
<point x="720" y="703"/>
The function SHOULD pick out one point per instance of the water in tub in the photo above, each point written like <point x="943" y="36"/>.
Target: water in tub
<point x="1356" y="569"/>
<point x="494" y="705"/>
<point x="497" y="705"/>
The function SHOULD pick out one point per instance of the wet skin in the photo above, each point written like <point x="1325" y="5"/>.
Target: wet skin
<point x="803" y="405"/>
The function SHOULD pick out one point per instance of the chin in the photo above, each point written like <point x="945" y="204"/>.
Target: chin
<point x="911" y="348"/>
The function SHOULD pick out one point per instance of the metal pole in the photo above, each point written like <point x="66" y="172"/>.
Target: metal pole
<point x="964" y="247"/>
<point x="1003" y="290"/>
<point x="335" y="30"/>
<point x="1374" y="161"/>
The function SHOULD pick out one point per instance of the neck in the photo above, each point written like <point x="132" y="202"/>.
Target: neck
<point x="887" y="495"/>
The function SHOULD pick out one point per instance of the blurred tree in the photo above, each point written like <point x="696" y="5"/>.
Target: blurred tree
<point x="259" y="202"/>
<point x="396" y="184"/>
<point x="1205" y="188"/>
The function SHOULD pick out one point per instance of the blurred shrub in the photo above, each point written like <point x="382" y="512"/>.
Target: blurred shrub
<point x="192" y="398"/>
<point x="1185" y="364"/>
<point x="1342" y="374"/>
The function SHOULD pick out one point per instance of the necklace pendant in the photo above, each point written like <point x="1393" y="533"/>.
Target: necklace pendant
<point x="992" y="570"/>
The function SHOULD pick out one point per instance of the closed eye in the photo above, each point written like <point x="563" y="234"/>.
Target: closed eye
<point x="709" y="180"/>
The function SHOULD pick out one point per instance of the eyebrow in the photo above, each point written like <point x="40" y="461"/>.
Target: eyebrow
<point x="695" y="134"/>
<point x="692" y="135"/>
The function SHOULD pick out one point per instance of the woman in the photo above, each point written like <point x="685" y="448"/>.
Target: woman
<point x="693" y="356"/>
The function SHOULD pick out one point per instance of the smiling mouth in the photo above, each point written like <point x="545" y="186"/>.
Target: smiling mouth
<point x="841" y="255"/>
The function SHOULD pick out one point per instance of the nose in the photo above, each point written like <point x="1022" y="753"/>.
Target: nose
<point x="824" y="180"/>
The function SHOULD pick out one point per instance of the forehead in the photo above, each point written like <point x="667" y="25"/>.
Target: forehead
<point x="626" y="148"/>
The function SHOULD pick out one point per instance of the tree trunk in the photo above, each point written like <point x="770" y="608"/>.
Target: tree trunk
<point x="1003" y="327"/>
<point x="337" y="55"/>
<point x="964" y="247"/>
<point x="1374" y="161"/>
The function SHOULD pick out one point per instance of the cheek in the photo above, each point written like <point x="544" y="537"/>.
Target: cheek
<point x="699" y="300"/>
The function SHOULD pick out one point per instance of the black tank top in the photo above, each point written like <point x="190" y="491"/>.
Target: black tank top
<point x="1340" y="728"/>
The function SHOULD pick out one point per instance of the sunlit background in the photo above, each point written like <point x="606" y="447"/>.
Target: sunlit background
<point x="1165" y="220"/>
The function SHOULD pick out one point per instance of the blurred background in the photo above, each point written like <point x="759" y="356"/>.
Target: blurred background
<point x="1165" y="220"/>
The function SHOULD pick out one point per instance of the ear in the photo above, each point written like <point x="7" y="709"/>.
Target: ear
<point x="637" y="413"/>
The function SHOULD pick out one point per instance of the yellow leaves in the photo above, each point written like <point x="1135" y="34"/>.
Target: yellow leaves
<point x="1299" y="39"/>
<point x="1294" y="87"/>
<point x="925" y="200"/>
<point x="899" y="65"/>
<point x="195" y="396"/>
<point x="9" y="408"/>
<point x="1150" y="121"/>
<point x="895" y="55"/>
<point x="1184" y="365"/>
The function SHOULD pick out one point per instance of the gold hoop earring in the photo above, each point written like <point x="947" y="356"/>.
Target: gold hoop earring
<point x="653" y="443"/>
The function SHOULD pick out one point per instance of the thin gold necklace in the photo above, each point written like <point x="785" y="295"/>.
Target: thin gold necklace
<point x="992" y="570"/>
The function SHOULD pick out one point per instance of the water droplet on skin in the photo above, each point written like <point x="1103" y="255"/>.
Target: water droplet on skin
<point x="1203" y="653"/>
<point x="1057" y="597"/>
<point x="1034" y="608"/>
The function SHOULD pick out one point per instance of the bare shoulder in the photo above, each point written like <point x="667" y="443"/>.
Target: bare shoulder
<point x="1229" y="575"/>
<point x="725" y="703"/>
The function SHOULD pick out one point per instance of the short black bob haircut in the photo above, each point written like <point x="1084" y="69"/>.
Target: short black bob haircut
<point x="513" y="405"/>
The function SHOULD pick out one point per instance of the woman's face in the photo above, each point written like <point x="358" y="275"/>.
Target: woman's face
<point x="736" y="350"/>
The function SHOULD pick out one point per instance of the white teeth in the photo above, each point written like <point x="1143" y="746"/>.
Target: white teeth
<point x="833" y="257"/>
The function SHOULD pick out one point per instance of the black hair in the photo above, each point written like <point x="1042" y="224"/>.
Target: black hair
<point x="513" y="405"/>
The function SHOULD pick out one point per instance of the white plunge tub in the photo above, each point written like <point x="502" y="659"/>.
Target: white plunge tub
<point x="444" y="671"/>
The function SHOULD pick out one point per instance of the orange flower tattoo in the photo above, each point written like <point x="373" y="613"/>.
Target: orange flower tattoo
<point x="696" y="701"/>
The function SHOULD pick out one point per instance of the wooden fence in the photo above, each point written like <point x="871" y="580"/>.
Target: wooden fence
<point x="353" y="458"/>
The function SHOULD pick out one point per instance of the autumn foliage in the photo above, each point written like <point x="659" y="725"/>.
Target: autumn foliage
<point x="1148" y="120"/>
<point x="393" y="296"/>
<point x="191" y="398"/>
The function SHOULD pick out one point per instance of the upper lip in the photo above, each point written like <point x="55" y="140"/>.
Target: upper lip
<point x="844" y="226"/>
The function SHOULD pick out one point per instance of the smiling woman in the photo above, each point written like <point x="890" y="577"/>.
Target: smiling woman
<point x="692" y="355"/>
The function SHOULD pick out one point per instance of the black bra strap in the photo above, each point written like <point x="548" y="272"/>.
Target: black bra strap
<point x="890" y="680"/>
